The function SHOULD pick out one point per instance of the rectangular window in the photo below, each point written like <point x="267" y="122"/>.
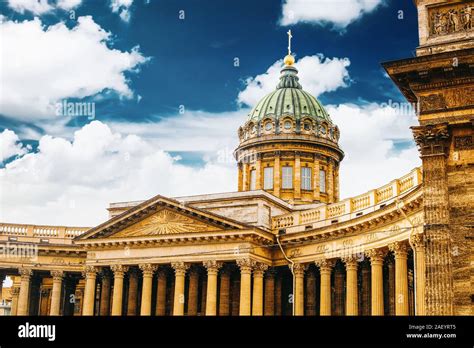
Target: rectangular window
<point x="253" y="179"/>
<point x="268" y="178"/>
<point x="287" y="177"/>
<point x="306" y="178"/>
<point x="322" y="181"/>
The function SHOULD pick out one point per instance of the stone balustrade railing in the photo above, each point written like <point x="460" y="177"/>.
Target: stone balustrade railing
<point x="38" y="231"/>
<point x="348" y="208"/>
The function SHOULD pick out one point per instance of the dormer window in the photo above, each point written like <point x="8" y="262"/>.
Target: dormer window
<point x="268" y="126"/>
<point x="287" y="124"/>
<point x="307" y="126"/>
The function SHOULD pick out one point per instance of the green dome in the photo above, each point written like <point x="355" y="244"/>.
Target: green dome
<point x="289" y="99"/>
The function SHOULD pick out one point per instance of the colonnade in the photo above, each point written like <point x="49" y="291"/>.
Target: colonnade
<point x="350" y="285"/>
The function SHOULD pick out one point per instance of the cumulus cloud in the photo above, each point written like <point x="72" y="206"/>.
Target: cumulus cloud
<point x="72" y="182"/>
<point x="122" y="7"/>
<point x="40" y="7"/>
<point x="337" y="13"/>
<point x="317" y="75"/>
<point x="370" y="137"/>
<point x="43" y="65"/>
<point x="10" y="145"/>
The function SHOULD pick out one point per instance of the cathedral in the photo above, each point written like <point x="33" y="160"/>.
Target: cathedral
<point x="284" y="243"/>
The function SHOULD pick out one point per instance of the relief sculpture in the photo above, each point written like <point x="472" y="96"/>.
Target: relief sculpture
<point x="448" y="20"/>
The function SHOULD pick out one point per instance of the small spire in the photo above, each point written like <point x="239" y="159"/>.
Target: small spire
<point x="289" y="59"/>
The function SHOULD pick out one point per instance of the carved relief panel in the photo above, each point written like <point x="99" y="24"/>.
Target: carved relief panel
<point x="450" y="19"/>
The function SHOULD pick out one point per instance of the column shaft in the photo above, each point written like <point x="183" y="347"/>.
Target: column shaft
<point x="105" y="294"/>
<point x="420" y="274"/>
<point x="23" y="298"/>
<point x="298" y="296"/>
<point x="269" y="305"/>
<point x="245" y="285"/>
<point x="179" y="296"/>
<point x="352" y="298"/>
<point x="132" y="298"/>
<point x="89" y="291"/>
<point x="193" y="291"/>
<point x="160" y="308"/>
<point x="401" y="278"/>
<point x="257" y="303"/>
<point x="325" y="267"/>
<point x="224" y="293"/>
<point x="117" y="296"/>
<point x="297" y="183"/>
<point x="211" y="295"/>
<point x="276" y="175"/>
<point x="56" y="293"/>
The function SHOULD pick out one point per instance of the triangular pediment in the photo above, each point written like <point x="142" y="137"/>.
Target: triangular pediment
<point x="160" y="216"/>
<point x="165" y="221"/>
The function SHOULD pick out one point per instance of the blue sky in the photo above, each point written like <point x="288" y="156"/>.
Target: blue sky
<point x="160" y="62"/>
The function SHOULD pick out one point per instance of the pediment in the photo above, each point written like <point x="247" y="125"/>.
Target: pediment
<point x="160" y="216"/>
<point x="165" y="221"/>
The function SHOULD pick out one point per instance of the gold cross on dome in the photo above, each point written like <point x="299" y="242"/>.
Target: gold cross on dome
<point x="289" y="41"/>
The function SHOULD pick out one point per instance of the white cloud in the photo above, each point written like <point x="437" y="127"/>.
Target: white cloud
<point x="122" y="7"/>
<point x="338" y="13"/>
<point x="72" y="182"/>
<point x="10" y="145"/>
<point x="317" y="75"/>
<point x="368" y="137"/>
<point x="40" y="7"/>
<point x="44" y="65"/>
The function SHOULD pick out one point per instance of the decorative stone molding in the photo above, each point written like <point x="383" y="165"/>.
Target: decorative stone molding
<point x="180" y="268"/>
<point x="432" y="139"/>
<point x="57" y="275"/>
<point x="245" y="265"/>
<point x="148" y="269"/>
<point x="212" y="266"/>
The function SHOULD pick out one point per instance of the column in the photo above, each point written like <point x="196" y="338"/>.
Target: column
<point x="44" y="305"/>
<point x="418" y="243"/>
<point x="90" y="273"/>
<point x="105" y="293"/>
<point x="336" y="183"/>
<point x="193" y="291"/>
<point x="224" y="292"/>
<point x="297" y="183"/>
<point x="269" y="305"/>
<point x="310" y="298"/>
<point x="245" y="266"/>
<point x="212" y="267"/>
<point x="160" y="308"/>
<point x="258" y="172"/>
<point x="203" y="295"/>
<point x="240" y="179"/>
<point x="278" y="295"/>
<point x="352" y="298"/>
<point x="298" y="296"/>
<point x="15" y="293"/>
<point x="339" y="304"/>
<point x="23" y="298"/>
<point x="180" y="269"/>
<point x="56" y="293"/>
<point x="235" y="283"/>
<point x="391" y="284"/>
<point x="316" y="189"/>
<point x="401" y="277"/>
<point x="147" y="286"/>
<point x="117" y="297"/>
<point x="325" y="267"/>
<point x="330" y="181"/>
<point x="376" y="264"/>
<point x="245" y="175"/>
<point x="277" y="175"/>
<point x="365" y="289"/>
<point x="257" y="303"/>
<point x="132" y="298"/>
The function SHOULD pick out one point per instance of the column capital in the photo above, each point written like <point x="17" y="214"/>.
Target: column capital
<point x="180" y="268"/>
<point x="119" y="270"/>
<point x="350" y="262"/>
<point x="148" y="269"/>
<point x="212" y="266"/>
<point x="376" y="255"/>
<point x="418" y="241"/>
<point x="25" y="272"/>
<point x="400" y="249"/>
<point x="245" y="265"/>
<point x="432" y="139"/>
<point x="89" y="271"/>
<point x="57" y="275"/>
<point x="299" y="268"/>
<point x="325" y="265"/>
<point x="259" y="269"/>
